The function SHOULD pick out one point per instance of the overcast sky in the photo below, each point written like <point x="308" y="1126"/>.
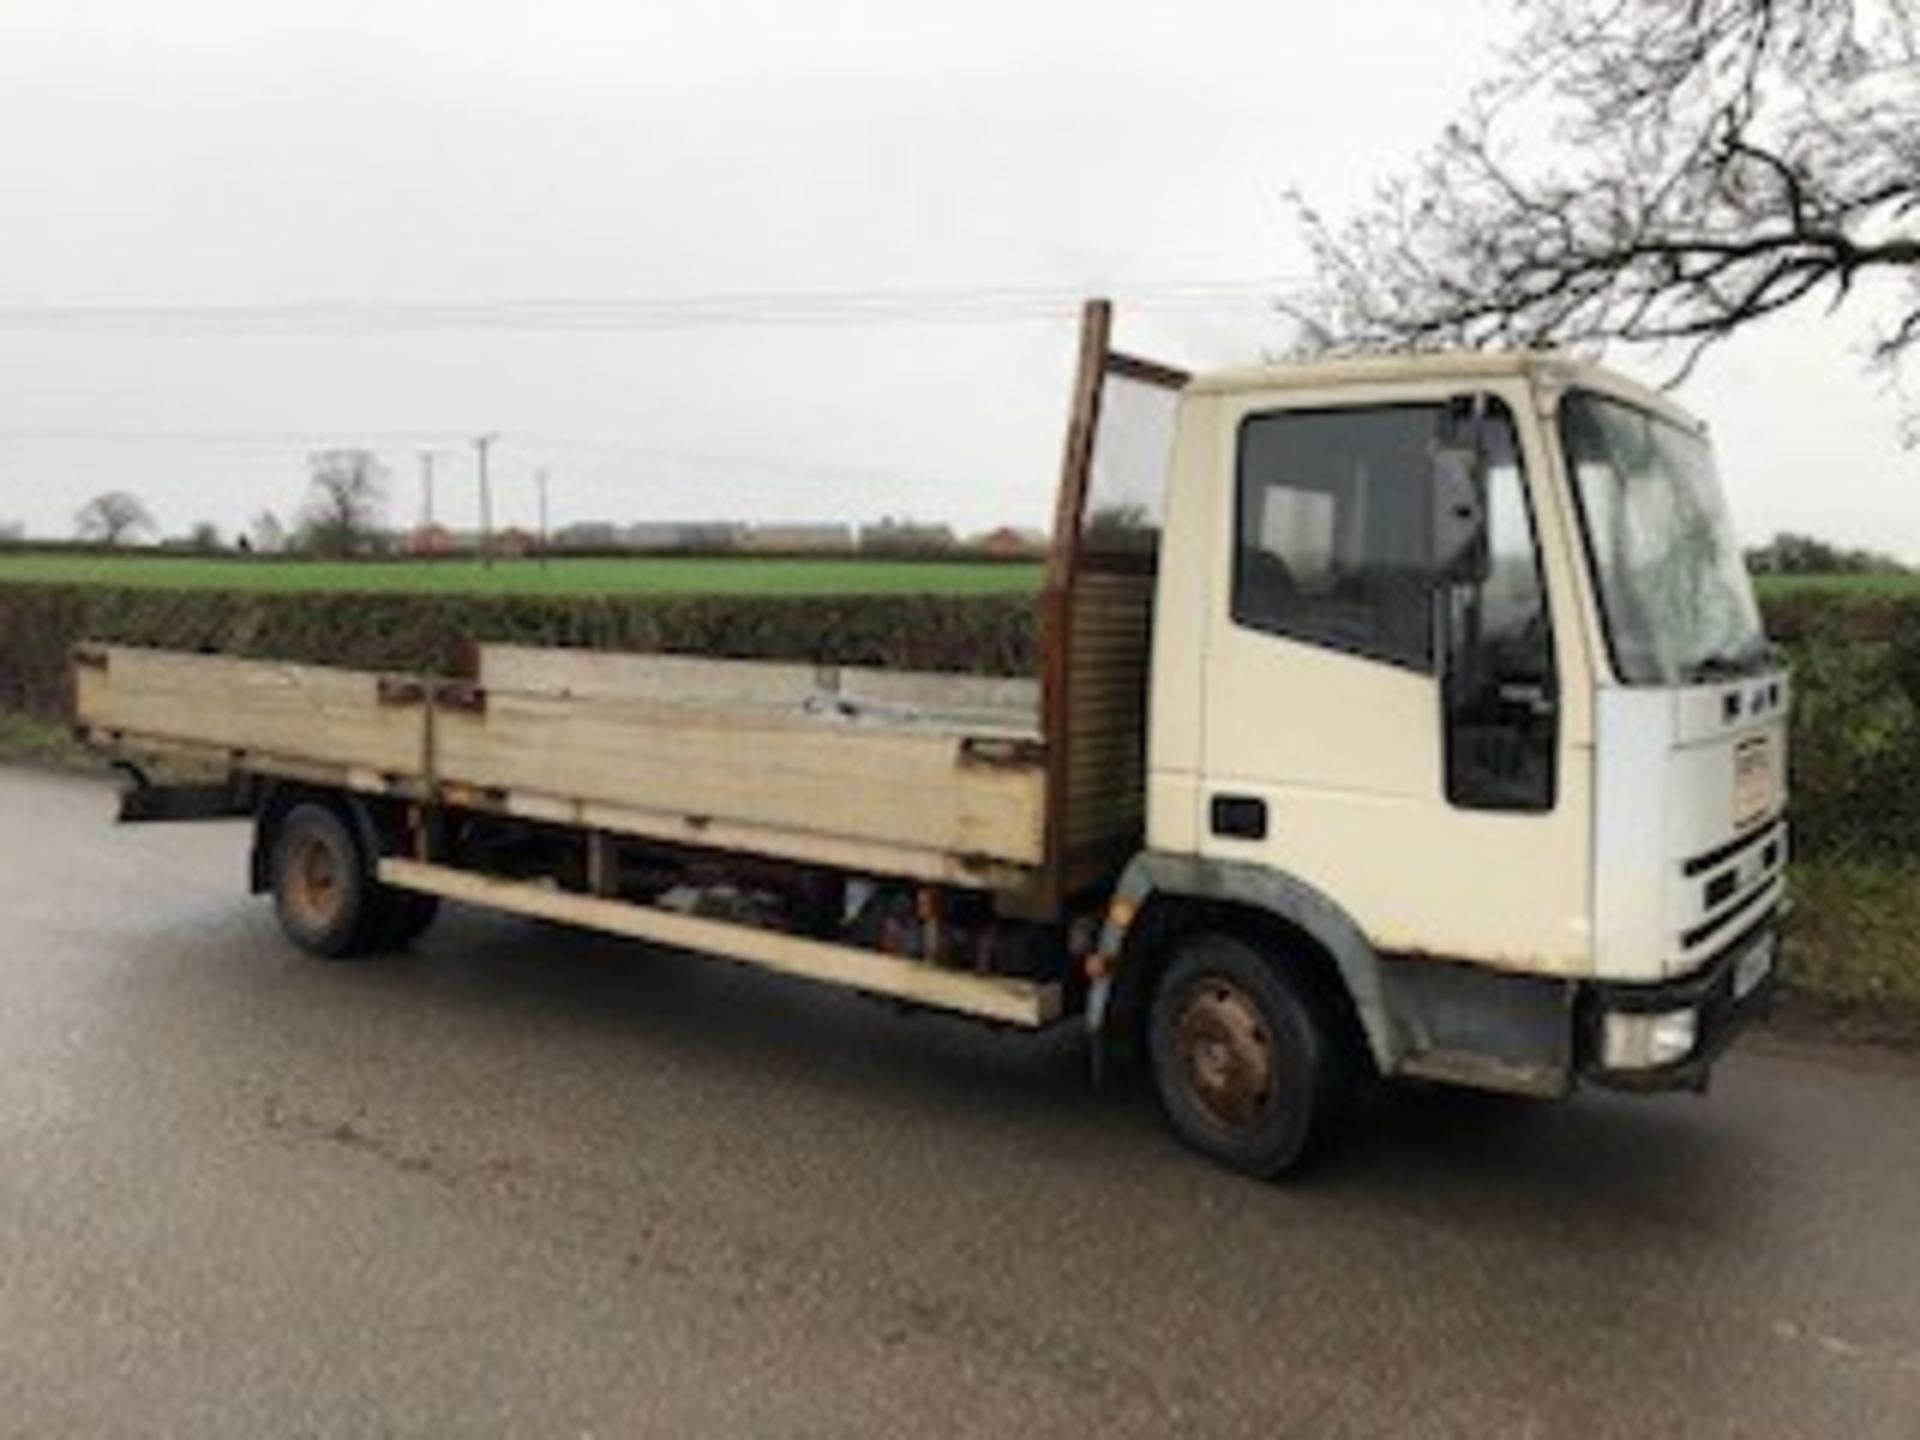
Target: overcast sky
<point x="233" y="152"/>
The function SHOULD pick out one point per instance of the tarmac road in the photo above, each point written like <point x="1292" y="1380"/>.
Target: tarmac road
<point x="523" y="1182"/>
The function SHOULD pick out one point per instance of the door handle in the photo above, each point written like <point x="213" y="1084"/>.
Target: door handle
<point x="1239" y="817"/>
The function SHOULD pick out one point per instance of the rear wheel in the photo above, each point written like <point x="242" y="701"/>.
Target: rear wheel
<point x="327" y="901"/>
<point x="1252" y="1066"/>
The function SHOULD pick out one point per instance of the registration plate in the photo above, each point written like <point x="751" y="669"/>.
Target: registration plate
<point x="1753" y="786"/>
<point x="1752" y="968"/>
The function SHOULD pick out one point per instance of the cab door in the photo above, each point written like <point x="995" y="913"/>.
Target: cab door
<point x="1389" y="734"/>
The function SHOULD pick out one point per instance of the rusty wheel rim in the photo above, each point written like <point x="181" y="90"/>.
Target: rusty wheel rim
<point x="315" y="888"/>
<point x="1226" y="1053"/>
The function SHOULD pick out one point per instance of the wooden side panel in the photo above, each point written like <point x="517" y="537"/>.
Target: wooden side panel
<point x="616" y="675"/>
<point x="1112" y="624"/>
<point x="890" y="797"/>
<point x="977" y="704"/>
<point x="750" y="766"/>
<point x="305" y="713"/>
<point x="836" y="694"/>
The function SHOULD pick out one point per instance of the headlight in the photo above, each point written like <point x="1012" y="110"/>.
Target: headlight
<point x="1646" y="1042"/>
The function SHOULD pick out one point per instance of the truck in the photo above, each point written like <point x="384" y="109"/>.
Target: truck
<point x="1396" y="718"/>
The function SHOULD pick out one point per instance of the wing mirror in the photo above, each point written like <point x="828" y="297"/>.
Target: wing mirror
<point x="1457" y="517"/>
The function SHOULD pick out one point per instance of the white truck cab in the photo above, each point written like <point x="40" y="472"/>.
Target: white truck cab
<point x="1456" y="669"/>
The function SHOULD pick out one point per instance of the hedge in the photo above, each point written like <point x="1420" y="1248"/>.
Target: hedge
<point x="1856" y="660"/>
<point x="989" y="634"/>
<point x="1856" y="724"/>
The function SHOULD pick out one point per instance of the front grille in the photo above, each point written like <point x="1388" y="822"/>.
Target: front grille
<point x="1744" y="908"/>
<point x="1732" y="881"/>
<point x="1734" y="848"/>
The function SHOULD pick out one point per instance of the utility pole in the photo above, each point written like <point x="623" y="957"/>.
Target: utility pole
<point x="481" y="444"/>
<point x="427" y="457"/>
<point x="540" y="479"/>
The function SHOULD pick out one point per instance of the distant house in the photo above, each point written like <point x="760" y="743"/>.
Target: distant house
<point x="588" y="535"/>
<point x="432" y="540"/>
<point x="514" y="542"/>
<point x="704" y="537"/>
<point x="1008" y="543"/>
<point x="800" y="539"/>
<point x="906" y="537"/>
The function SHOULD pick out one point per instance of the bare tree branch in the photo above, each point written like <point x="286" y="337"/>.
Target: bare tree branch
<point x="346" y="496"/>
<point x="1705" y="163"/>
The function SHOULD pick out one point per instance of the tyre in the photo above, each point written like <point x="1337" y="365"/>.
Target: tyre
<point x="1252" y="1065"/>
<point x="327" y="901"/>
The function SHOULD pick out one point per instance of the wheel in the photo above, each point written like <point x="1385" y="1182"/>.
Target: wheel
<point x="1251" y="1065"/>
<point x="327" y="902"/>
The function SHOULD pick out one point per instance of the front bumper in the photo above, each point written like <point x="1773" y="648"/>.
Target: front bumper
<point x="1731" y="989"/>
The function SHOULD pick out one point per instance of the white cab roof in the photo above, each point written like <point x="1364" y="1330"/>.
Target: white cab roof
<point x="1550" y="370"/>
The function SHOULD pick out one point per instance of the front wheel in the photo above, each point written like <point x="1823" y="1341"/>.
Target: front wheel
<point x="1252" y="1068"/>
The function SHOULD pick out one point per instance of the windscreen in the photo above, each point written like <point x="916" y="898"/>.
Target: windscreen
<point x="1673" y="586"/>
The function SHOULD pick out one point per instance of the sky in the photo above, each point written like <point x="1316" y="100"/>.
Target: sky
<point x="684" y="175"/>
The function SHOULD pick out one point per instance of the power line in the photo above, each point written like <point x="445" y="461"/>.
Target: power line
<point x="224" y="439"/>
<point x="800" y="309"/>
<point x="603" y="454"/>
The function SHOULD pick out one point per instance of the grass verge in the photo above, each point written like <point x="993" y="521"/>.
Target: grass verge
<point x="1844" y="587"/>
<point x="30" y="740"/>
<point x="1854" y="944"/>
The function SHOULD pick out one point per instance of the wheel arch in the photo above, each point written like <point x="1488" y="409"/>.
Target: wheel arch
<point x="277" y="798"/>
<point x="1161" y="897"/>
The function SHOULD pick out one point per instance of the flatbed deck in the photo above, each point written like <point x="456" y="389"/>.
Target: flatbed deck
<point x="935" y="777"/>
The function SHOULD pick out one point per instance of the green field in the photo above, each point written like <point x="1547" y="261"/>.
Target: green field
<point x="650" y="575"/>
<point x="663" y="575"/>
<point x="1875" y="587"/>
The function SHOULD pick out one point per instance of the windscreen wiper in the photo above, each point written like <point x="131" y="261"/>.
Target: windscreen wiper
<point x="1729" y="667"/>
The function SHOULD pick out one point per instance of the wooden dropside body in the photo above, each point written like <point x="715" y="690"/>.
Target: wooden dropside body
<point x="931" y="777"/>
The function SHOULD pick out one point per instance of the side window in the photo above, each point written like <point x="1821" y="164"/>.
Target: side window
<point x="1331" y="529"/>
<point x="1512" y="609"/>
<point x="1501" y="700"/>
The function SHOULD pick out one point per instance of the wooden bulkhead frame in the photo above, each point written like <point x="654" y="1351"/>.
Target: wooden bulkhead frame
<point x="1095" y="635"/>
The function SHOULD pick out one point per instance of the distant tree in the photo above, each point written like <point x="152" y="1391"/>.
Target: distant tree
<point x="266" y="534"/>
<point x="1791" y="554"/>
<point x="345" y="499"/>
<point x="113" y="518"/>
<point x="12" y="532"/>
<point x="1657" y="171"/>
<point x="205" y="538"/>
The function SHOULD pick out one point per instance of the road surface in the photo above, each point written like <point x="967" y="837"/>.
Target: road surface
<point x="522" y="1182"/>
